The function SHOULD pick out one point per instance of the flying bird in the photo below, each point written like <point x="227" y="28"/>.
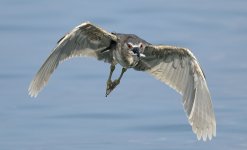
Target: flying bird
<point x="174" y="66"/>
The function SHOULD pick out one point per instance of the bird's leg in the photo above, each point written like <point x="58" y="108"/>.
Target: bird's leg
<point x="112" y="68"/>
<point x="111" y="85"/>
<point x="109" y="82"/>
<point x="117" y="81"/>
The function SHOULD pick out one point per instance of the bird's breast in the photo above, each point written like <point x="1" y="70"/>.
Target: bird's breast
<point x="124" y="58"/>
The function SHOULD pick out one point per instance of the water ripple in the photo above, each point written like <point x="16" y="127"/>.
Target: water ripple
<point x="161" y="127"/>
<point x="104" y="116"/>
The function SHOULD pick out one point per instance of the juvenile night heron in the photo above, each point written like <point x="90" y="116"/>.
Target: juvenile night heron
<point x="175" y="66"/>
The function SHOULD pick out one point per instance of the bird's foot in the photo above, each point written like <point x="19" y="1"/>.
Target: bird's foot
<point x="110" y="86"/>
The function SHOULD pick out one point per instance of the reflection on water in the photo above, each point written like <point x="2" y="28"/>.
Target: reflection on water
<point x="142" y="113"/>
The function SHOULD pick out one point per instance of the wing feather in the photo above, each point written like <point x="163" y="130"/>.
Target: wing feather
<point x="179" y="68"/>
<point x="84" y="40"/>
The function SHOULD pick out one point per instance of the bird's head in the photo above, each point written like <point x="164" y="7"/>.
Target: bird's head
<point x="136" y="49"/>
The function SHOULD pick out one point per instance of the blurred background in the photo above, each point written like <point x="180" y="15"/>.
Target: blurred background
<point x="142" y="113"/>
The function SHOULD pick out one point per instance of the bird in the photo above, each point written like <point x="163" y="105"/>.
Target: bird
<point x="175" y="66"/>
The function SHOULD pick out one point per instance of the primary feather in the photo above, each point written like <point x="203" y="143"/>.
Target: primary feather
<point x="84" y="40"/>
<point x="178" y="68"/>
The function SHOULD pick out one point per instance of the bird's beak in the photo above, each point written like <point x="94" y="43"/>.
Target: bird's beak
<point x="136" y="50"/>
<point x="142" y="55"/>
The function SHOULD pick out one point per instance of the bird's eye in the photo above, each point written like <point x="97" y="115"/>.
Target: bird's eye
<point x="129" y="45"/>
<point x="141" y="45"/>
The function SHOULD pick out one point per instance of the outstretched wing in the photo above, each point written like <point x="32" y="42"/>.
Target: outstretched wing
<point x="84" y="40"/>
<point x="179" y="68"/>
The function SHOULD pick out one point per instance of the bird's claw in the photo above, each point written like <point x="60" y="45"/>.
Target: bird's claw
<point x="110" y="86"/>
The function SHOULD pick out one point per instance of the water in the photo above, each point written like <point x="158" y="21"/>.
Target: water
<point x="142" y="113"/>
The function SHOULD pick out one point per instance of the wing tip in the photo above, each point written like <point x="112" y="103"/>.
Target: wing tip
<point x="32" y="92"/>
<point x="205" y="134"/>
<point x="34" y="88"/>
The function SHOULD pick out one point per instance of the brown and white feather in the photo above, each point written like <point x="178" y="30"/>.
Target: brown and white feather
<point x="179" y="68"/>
<point x="84" y="40"/>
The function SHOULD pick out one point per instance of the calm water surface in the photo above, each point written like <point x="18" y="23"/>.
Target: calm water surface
<point x="71" y="113"/>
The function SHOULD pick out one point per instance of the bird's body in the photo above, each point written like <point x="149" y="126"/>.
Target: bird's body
<point x="121" y="53"/>
<point x="174" y="66"/>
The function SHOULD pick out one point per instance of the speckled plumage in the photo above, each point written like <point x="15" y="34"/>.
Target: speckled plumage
<point x="177" y="67"/>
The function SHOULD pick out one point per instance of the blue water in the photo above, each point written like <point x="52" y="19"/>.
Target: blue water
<point x="71" y="113"/>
